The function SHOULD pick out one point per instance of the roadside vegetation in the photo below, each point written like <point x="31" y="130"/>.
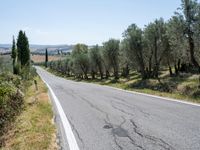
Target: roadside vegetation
<point x="25" y="111"/>
<point x="11" y="100"/>
<point x="163" y="58"/>
<point x="34" y="127"/>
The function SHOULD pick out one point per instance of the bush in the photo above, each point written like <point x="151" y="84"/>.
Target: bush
<point x="11" y="100"/>
<point x="196" y="94"/>
<point x="10" y="78"/>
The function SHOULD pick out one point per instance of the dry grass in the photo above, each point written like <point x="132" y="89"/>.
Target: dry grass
<point x="41" y="58"/>
<point x="34" y="128"/>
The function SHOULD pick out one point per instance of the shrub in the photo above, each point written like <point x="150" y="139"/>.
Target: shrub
<point x="11" y="100"/>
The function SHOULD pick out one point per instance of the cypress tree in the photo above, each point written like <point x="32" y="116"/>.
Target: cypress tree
<point x="23" y="50"/>
<point x="46" y="58"/>
<point x="26" y="52"/>
<point x="14" y="56"/>
<point x="14" y="51"/>
<point x="20" y="46"/>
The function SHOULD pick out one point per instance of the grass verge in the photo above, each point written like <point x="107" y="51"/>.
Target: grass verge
<point x="33" y="129"/>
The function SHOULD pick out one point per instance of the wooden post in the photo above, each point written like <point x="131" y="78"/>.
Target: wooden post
<point x="36" y="87"/>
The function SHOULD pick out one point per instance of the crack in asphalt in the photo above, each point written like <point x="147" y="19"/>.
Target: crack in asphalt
<point x="129" y="137"/>
<point x="139" y="131"/>
<point x="129" y="106"/>
<point x="76" y="131"/>
<point x="115" y="136"/>
<point x="121" y="110"/>
<point x="135" y="129"/>
<point x="89" y="103"/>
<point x="95" y="107"/>
<point x="119" y="131"/>
<point x="123" y="122"/>
<point x="107" y="122"/>
<point x="156" y="141"/>
<point x="116" y="143"/>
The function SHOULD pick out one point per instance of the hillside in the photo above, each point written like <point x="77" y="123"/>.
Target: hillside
<point x="39" y="49"/>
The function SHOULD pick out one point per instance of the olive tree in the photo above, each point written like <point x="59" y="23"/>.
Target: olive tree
<point x="124" y="61"/>
<point x="111" y="54"/>
<point x="158" y="44"/>
<point x="190" y="12"/>
<point x="96" y="60"/>
<point x="178" y="44"/>
<point x="81" y="59"/>
<point x="133" y="38"/>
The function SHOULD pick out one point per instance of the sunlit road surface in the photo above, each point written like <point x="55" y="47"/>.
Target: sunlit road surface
<point x="103" y="118"/>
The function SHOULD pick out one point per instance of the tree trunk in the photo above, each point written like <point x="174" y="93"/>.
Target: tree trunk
<point x="100" y="71"/>
<point x="170" y="69"/>
<point x="107" y="74"/>
<point x="93" y="74"/>
<point x="155" y="71"/>
<point x="85" y="76"/>
<point x="127" y="70"/>
<point x="143" y="73"/>
<point x="156" y="66"/>
<point x="191" y="44"/>
<point x="176" y="70"/>
<point x="116" y="75"/>
<point x="149" y="70"/>
<point x="179" y="64"/>
<point x="142" y="67"/>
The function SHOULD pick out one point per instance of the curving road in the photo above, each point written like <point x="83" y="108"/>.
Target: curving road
<point x="103" y="118"/>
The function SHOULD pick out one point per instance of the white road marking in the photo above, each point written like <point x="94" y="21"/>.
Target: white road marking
<point x="159" y="97"/>
<point x="138" y="93"/>
<point x="66" y="125"/>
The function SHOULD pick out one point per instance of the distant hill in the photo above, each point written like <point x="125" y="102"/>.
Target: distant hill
<point x="52" y="49"/>
<point x="5" y="46"/>
<point x="40" y="49"/>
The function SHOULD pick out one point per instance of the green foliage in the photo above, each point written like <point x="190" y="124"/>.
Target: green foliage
<point x="11" y="86"/>
<point x="190" y="12"/>
<point x="96" y="60"/>
<point x="175" y="32"/>
<point x="46" y="58"/>
<point x="111" y="55"/>
<point x="133" y="40"/>
<point x="11" y="99"/>
<point x="172" y="44"/>
<point x="5" y="63"/>
<point x="14" y="58"/>
<point x="158" y="42"/>
<point x="23" y="50"/>
<point x="81" y="60"/>
<point x="16" y="68"/>
<point x="14" y="51"/>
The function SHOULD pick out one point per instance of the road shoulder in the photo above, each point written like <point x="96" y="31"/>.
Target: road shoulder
<point x="34" y="127"/>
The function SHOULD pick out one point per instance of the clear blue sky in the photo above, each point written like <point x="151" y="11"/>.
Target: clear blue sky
<point x="78" y="21"/>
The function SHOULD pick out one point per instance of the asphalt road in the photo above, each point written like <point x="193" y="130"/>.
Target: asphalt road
<point x="103" y="118"/>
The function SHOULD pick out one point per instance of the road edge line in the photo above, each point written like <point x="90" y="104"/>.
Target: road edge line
<point x="66" y="125"/>
<point x="138" y="93"/>
<point x="154" y="96"/>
